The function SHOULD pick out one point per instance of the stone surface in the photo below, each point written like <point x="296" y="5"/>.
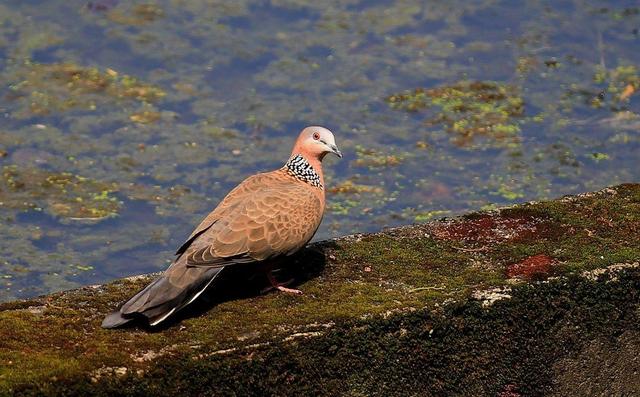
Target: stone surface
<point x="428" y="309"/>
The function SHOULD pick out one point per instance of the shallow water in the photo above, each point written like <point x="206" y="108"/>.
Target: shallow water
<point x="123" y="123"/>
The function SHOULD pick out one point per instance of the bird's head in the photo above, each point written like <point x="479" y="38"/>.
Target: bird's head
<point x="316" y="142"/>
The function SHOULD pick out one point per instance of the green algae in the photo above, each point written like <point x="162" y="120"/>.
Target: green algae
<point x="349" y="187"/>
<point x="622" y="81"/>
<point x="372" y="158"/>
<point x="429" y="215"/>
<point x="63" y="195"/>
<point x="136" y="15"/>
<point x="48" y="88"/>
<point x="468" y="108"/>
<point x="352" y="285"/>
<point x="145" y="117"/>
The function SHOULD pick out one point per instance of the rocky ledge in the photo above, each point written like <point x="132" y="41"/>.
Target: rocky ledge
<point x="539" y="298"/>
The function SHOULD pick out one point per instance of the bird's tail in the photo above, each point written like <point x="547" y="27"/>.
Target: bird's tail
<point x="115" y="319"/>
<point x="174" y="290"/>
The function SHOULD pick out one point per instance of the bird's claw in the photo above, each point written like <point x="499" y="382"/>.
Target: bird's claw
<point x="289" y="290"/>
<point x="280" y="286"/>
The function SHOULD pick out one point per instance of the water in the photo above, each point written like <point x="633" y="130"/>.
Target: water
<point x="123" y="123"/>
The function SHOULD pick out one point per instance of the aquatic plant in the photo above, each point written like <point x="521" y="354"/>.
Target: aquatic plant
<point x="468" y="108"/>
<point x="58" y="87"/>
<point x="62" y="195"/>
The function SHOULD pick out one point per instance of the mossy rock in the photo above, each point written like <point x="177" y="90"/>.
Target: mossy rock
<point x="516" y="301"/>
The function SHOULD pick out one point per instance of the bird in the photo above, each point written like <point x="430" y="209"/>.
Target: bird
<point x="267" y="217"/>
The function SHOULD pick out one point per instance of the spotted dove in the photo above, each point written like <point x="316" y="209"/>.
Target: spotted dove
<point x="267" y="216"/>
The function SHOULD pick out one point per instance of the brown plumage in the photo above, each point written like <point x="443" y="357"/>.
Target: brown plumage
<point x="267" y="216"/>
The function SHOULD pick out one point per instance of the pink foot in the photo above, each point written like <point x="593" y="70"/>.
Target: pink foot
<point x="280" y="286"/>
<point x="288" y="290"/>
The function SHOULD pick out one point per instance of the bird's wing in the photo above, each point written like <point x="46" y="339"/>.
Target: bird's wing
<point x="232" y="199"/>
<point x="277" y="219"/>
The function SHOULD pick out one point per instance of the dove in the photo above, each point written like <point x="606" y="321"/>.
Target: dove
<point x="267" y="217"/>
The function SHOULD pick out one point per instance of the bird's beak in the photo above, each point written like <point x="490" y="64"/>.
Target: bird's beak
<point x="334" y="150"/>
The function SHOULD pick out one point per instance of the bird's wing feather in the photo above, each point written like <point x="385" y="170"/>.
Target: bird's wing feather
<point x="233" y="198"/>
<point x="275" y="220"/>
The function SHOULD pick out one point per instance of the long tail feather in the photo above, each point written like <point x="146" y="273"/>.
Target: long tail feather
<point x="115" y="320"/>
<point x="163" y="297"/>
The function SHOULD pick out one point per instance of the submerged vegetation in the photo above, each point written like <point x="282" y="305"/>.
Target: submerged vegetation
<point x="623" y="81"/>
<point x="468" y="108"/>
<point x="64" y="195"/>
<point x="47" y="88"/>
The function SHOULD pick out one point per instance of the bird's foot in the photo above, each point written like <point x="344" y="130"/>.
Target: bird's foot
<point x="289" y="290"/>
<point x="280" y="286"/>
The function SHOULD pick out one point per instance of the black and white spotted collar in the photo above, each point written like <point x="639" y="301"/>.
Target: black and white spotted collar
<point x="299" y="167"/>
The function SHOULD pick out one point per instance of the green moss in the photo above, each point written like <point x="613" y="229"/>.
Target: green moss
<point x="369" y="300"/>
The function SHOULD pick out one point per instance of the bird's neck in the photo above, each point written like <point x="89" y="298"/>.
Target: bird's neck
<point x="308" y="170"/>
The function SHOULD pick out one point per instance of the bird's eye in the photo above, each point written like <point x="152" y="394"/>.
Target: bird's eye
<point x="316" y="136"/>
